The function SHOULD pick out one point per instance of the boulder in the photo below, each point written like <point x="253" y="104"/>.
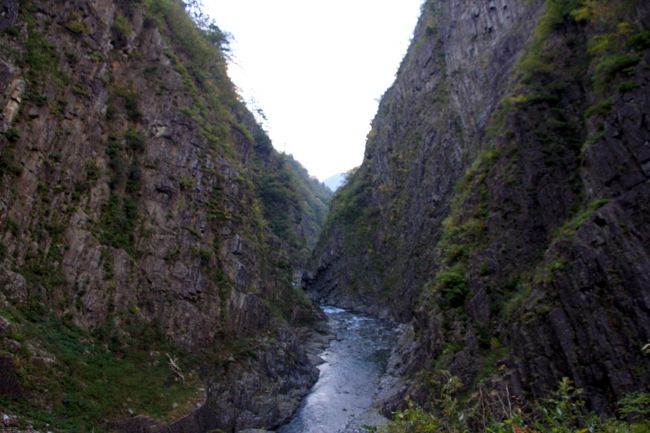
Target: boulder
<point x="9" y="383"/>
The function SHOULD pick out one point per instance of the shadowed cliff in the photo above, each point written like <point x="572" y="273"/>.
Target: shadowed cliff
<point x="501" y="207"/>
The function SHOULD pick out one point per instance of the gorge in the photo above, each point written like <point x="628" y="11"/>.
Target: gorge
<point x="161" y="264"/>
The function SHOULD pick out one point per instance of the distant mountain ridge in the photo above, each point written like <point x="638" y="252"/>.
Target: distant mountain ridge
<point x="336" y="181"/>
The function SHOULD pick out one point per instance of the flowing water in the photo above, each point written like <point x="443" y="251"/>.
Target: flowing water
<point x="342" y="399"/>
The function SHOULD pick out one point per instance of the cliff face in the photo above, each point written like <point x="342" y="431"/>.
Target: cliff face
<point x="139" y="206"/>
<point x="501" y="203"/>
<point x="378" y="247"/>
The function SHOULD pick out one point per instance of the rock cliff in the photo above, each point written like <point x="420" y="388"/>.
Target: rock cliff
<point x="501" y="205"/>
<point x="145" y="221"/>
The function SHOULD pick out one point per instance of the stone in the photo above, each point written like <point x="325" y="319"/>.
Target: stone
<point x="9" y="384"/>
<point x="12" y="346"/>
<point x="8" y="13"/>
<point x="13" y="286"/>
<point x="5" y="326"/>
<point x="12" y="87"/>
<point x="254" y="430"/>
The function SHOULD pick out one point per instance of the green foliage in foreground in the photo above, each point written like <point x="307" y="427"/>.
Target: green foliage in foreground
<point x="75" y="381"/>
<point x="562" y="412"/>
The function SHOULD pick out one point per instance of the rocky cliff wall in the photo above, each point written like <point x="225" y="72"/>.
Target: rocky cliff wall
<point x="378" y="248"/>
<point x="132" y="197"/>
<point x="506" y="211"/>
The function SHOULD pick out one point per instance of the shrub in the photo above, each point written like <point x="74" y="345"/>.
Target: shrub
<point x="76" y="27"/>
<point x="12" y="135"/>
<point x="563" y="411"/>
<point x="134" y="178"/>
<point x="121" y="26"/>
<point x="97" y="376"/>
<point x="118" y="222"/>
<point x="599" y="109"/>
<point x="452" y="285"/>
<point x="92" y="171"/>
<point x="134" y="140"/>
<point x="609" y="67"/>
<point x="8" y="163"/>
<point x="186" y="183"/>
<point x="640" y="41"/>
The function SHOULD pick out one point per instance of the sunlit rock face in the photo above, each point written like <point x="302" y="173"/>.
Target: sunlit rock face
<point x="500" y="207"/>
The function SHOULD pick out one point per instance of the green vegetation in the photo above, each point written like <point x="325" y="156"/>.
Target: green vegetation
<point x="40" y="56"/>
<point x="585" y="213"/>
<point x="464" y="232"/>
<point x="42" y="268"/>
<point x="314" y="199"/>
<point x="599" y="109"/>
<point x="204" y="69"/>
<point x="198" y="44"/>
<point x="76" y="381"/>
<point x="119" y="214"/>
<point x="516" y="301"/>
<point x="134" y="140"/>
<point x="121" y="26"/>
<point x="118" y="221"/>
<point x="543" y="115"/>
<point x="286" y="190"/>
<point x="77" y="27"/>
<point x="186" y="183"/>
<point x="609" y="67"/>
<point x="277" y="192"/>
<point x="353" y="210"/>
<point x="92" y="175"/>
<point x="640" y="41"/>
<point x="12" y="135"/>
<point x="562" y="411"/>
<point x="130" y="102"/>
<point x="8" y="164"/>
<point x="536" y="59"/>
<point x="41" y="60"/>
<point x="452" y="285"/>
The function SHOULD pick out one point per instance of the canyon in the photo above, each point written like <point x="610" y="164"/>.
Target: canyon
<point x="162" y="265"/>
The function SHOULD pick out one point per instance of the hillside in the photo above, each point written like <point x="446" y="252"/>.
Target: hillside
<point x="149" y="233"/>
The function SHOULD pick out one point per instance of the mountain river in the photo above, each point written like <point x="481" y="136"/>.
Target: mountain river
<point x="342" y="399"/>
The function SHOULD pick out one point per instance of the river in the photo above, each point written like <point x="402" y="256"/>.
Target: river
<point x="342" y="399"/>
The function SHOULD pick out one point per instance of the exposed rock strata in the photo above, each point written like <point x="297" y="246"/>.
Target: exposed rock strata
<point x="429" y="127"/>
<point x="134" y="192"/>
<point x="529" y="264"/>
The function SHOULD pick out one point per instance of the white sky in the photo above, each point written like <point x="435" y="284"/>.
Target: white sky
<point x="317" y="69"/>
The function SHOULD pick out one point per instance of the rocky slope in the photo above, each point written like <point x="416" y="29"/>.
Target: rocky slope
<point x="501" y="205"/>
<point x="146" y="223"/>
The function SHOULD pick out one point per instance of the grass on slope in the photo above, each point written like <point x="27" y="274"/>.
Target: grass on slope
<point x="75" y="381"/>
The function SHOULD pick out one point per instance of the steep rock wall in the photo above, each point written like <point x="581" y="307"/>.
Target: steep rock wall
<point x="528" y="265"/>
<point x="131" y="199"/>
<point x="377" y="249"/>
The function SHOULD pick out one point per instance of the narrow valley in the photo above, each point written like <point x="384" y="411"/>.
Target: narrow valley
<point x="164" y="269"/>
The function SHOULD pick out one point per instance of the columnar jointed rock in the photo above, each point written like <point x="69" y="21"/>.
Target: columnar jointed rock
<point x="429" y="127"/>
<point x="531" y="263"/>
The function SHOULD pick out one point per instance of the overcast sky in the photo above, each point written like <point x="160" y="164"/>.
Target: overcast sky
<point x="317" y="69"/>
